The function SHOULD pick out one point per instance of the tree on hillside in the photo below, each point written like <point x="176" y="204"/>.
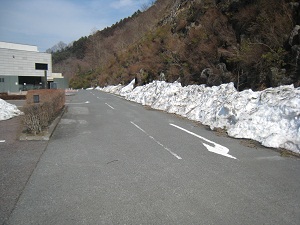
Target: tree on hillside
<point x="58" y="47"/>
<point x="146" y="6"/>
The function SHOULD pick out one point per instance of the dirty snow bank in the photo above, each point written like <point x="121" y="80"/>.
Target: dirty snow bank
<point x="271" y="117"/>
<point x="8" y="111"/>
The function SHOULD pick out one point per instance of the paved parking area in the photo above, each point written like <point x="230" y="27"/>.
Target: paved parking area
<point x="17" y="162"/>
<point x="18" y="103"/>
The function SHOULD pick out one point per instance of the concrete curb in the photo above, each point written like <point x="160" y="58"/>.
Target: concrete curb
<point x="46" y="135"/>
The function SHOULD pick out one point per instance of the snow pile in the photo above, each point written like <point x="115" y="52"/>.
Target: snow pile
<point x="271" y="117"/>
<point x="127" y="89"/>
<point x="119" y="89"/>
<point x="111" y="89"/>
<point x="8" y="111"/>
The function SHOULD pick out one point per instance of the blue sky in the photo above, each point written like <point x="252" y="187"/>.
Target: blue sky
<point x="46" y="22"/>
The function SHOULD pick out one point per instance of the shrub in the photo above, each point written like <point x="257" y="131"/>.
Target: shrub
<point x="6" y="96"/>
<point x="38" y="116"/>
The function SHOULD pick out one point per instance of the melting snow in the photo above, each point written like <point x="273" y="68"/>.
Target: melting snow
<point x="271" y="117"/>
<point x="8" y="110"/>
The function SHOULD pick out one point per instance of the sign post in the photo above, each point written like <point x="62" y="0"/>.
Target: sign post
<point x="45" y="80"/>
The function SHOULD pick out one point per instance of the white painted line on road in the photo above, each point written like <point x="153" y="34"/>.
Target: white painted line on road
<point x="217" y="148"/>
<point x="109" y="106"/>
<point x="78" y="103"/>
<point x="172" y="153"/>
<point x="2" y="141"/>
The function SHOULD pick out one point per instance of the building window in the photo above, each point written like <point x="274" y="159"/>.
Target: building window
<point x="41" y="66"/>
<point x="1" y="80"/>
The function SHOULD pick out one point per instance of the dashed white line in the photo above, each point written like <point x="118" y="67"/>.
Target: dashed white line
<point x="217" y="148"/>
<point x="109" y="106"/>
<point x="2" y="141"/>
<point x="172" y="153"/>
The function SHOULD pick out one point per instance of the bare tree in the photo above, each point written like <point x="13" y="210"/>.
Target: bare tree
<point x="146" y="6"/>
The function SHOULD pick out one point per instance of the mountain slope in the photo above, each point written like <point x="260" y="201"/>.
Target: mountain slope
<point x="253" y="43"/>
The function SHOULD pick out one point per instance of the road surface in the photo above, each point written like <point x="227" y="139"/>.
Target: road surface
<point x="111" y="161"/>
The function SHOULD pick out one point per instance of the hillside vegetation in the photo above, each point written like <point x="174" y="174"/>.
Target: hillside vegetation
<point x="253" y="43"/>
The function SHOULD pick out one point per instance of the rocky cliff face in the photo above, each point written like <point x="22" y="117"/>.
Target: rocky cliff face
<point x="253" y="43"/>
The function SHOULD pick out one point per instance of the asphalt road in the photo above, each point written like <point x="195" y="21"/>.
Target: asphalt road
<point x="111" y="161"/>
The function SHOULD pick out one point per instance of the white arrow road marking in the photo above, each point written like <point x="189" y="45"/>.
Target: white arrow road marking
<point x="109" y="106"/>
<point x="174" y="154"/>
<point x="217" y="148"/>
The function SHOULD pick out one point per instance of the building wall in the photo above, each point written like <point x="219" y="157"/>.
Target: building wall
<point x="62" y="83"/>
<point x="17" y="61"/>
<point x="55" y="75"/>
<point x="31" y="48"/>
<point x="9" y="84"/>
<point x="23" y="63"/>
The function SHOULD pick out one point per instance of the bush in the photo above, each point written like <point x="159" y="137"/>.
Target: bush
<point x="6" y="96"/>
<point x="38" y="116"/>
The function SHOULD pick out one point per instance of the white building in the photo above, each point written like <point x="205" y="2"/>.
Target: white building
<point x="23" y="67"/>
